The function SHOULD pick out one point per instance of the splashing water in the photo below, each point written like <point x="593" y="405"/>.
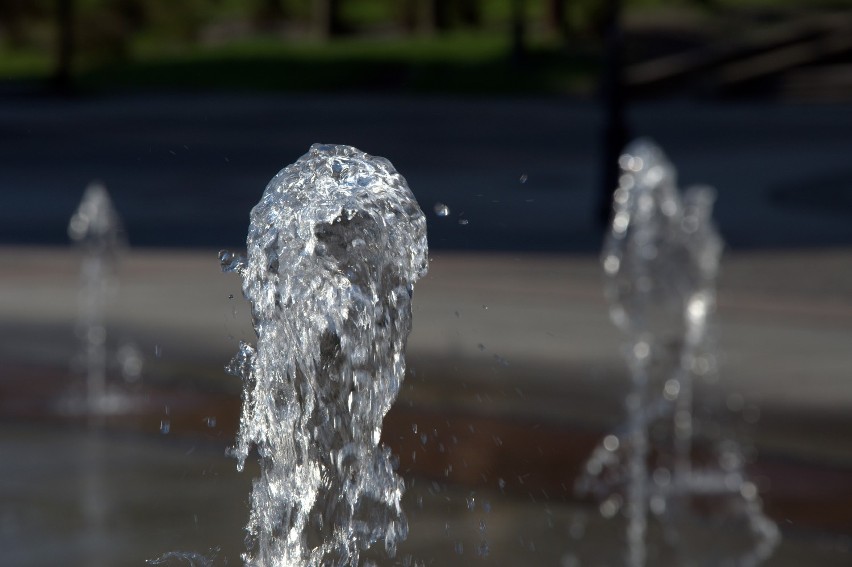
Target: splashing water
<point x="660" y="261"/>
<point x="334" y="247"/>
<point x="184" y="558"/>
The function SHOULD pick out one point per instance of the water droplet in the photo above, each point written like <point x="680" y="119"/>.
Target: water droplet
<point x="611" y="264"/>
<point x="641" y="350"/>
<point x="230" y="296"/>
<point x="483" y="549"/>
<point x="610" y="507"/>
<point x="611" y="443"/>
<point x="423" y="439"/>
<point x="158" y="351"/>
<point x="620" y="222"/>
<point x="441" y="209"/>
<point x="471" y="502"/>
<point x="130" y="362"/>
<point x="165" y="426"/>
<point x="524" y="178"/>
<point x="459" y="548"/>
<point x="748" y="491"/>
<point x="730" y="461"/>
<point x="210" y="421"/>
<point x="662" y="477"/>
<point x="671" y="389"/>
<point x="231" y="262"/>
<point x="464" y="222"/>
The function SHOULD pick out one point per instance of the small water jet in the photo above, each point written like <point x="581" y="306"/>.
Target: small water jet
<point x="661" y="261"/>
<point x="97" y="231"/>
<point x="334" y="247"/>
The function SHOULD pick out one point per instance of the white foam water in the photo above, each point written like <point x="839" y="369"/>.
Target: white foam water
<point x="333" y="250"/>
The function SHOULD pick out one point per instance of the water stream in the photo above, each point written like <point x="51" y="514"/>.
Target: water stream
<point x="661" y="260"/>
<point x="97" y="231"/>
<point x="333" y="250"/>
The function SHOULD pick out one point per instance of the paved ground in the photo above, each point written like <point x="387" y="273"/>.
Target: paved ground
<point x="512" y="353"/>
<point x="515" y="365"/>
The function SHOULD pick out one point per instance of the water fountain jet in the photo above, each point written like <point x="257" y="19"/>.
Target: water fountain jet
<point x="97" y="231"/>
<point x="334" y="247"/>
<point x="660" y="261"/>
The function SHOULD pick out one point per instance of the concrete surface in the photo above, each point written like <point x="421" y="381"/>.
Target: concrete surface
<point x="513" y="361"/>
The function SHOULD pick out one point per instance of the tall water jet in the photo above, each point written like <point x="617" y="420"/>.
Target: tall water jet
<point x="97" y="231"/>
<point x="334" y="247"/>
<point x="661" y="261"/>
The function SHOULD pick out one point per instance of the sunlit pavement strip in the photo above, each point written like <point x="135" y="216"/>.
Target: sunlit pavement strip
<point x="785" y="320"/>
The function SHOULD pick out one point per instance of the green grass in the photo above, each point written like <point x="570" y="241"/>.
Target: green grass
<point x="456" y="63"/>
<point x="463" y="61"/>
<point x="24" y="65"/>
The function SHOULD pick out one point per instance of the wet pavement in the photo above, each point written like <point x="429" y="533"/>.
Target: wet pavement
<point x="119" y="500"/>
<point x="514" y="371"/>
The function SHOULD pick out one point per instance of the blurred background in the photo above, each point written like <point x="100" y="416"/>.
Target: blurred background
<point x="507" y="118"/>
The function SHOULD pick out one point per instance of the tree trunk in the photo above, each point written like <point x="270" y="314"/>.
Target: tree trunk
<point x="615" y="134"/>
<point x="440" y="12"/>
<point x="326" y="17"/>
<point x="268" y="15"/>
<point x="419" y="16"/>
<point x="62" y="76"/>
<point x="519" y="48"/>
<point x="471" y="14"/>
<point x="557" y="18"/>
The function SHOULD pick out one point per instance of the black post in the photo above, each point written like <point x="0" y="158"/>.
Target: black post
<point x="440" y="12"/>
<point x="471" y="14"/>
<point x="615" y="133"/>
<point x="326" y="16"/>
<point x="62" y="76"/>
<point x="556" y="18"/>
<point x="519" y="48"/>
